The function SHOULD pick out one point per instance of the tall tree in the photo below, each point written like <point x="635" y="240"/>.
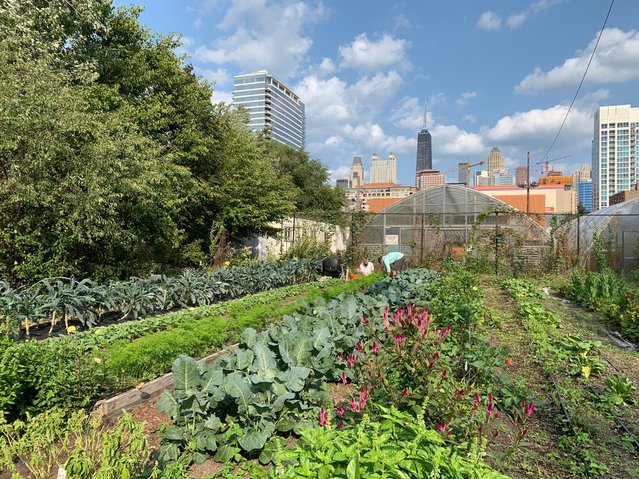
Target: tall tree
<point x="313" y="197"/>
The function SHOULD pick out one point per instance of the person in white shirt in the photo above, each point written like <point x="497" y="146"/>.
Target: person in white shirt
<point x="366" y="267"/>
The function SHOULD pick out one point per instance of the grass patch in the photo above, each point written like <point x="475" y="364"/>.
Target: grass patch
<point x="128" y="362"/>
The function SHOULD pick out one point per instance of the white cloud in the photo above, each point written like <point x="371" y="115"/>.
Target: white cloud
<point x="616" y="61"/>
<point x="465" y="97"/>
<point x="222" y="96"/>
<point x="451" y="140"/>
<point x="331" y="102"/>
<point x="369" y="55"/>
<point x="470" y="118"/>
<point x="539" y="127"/>
<point x="409" y="114"/>
<point x="517" y="20"/>
<point x="372" y="138"/>
<point x="402" y="22"/>
<point x="372" y="92"/>
<point x="327" y="103"/>
<point x="342" y="171"/>
<point x="489" y="21"/>
<point x="265" y="36"/>
<point x="218" y="77"/>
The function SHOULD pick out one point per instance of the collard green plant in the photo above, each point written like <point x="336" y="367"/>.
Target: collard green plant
<point x="269" y="384"/>
<point x="52" y="301"/>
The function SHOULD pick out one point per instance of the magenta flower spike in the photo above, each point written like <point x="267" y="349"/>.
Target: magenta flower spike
<point x="529" y="409"/>
<point x="323" y="417"/>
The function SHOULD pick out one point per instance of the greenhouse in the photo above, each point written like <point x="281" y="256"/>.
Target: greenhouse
<point x="453" y="219"/>
<point x="612" y="231"/>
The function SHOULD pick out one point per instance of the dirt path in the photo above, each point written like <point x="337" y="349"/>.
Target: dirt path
<point x="544" y="458"/>
<point x="598" y="440"/>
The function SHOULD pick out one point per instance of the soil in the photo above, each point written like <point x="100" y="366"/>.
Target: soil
<point x="547" y="454"/>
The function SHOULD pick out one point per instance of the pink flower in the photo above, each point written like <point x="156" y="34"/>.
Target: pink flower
<point x="477" y="398"/>
<point x="344" y="377"/>
<point x="374" y="349"/>
<point x="524" y="432"/>
<point x="386" y="323"/>
<point x="350" y="362"/>
<point x="441" y="427"/>
<point x="490" y="398"/>
<point x="436" y="355"/>
<point x="363" y="397"/>
<point x="341" y="356"/>
<point x="444" y="372"/>
<point x="404" y="392"/>
<point x="354" y="405"/>
<point x="340" y="425"/>
<point x="323" y="417"/>
<point x="340" y="411"/>
<point x="460" y="393"/>
<point x="359" y="346"/>
<point x="364" y="320"/>
<point x="529" y="409"/>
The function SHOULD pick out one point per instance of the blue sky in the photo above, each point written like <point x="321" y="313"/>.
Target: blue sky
<point x="494" y="73"/>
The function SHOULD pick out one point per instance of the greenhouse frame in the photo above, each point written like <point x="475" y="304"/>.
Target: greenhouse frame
<point x="612" y="231"/>
<point x="453" y="219"/>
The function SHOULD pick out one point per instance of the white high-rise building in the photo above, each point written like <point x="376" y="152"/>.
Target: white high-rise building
<point x="383" y="171"/>
<point x="614" y="155"/>
<point x="357" y="173"/>
<point x="274" y="109"/>
<point x="495" y="161"/>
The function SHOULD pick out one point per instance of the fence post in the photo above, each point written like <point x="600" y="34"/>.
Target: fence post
<point x="496" y="243"/>
<point x="421" y="243"/>
<point x="293" y="235"/>
<point x="578" y="240"/>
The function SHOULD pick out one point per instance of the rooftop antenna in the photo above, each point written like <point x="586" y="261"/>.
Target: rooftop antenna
<point x="425" y="115"/>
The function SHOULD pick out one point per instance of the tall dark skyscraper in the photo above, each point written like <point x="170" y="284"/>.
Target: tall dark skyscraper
<point x="424" y="148"/>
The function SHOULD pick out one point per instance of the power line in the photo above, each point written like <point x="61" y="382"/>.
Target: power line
<point x="582" y="79"/>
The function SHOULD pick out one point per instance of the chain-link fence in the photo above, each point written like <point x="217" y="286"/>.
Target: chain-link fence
<point x="496" y="240"/>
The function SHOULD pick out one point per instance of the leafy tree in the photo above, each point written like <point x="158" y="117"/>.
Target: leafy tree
<point x="313" y="196"/>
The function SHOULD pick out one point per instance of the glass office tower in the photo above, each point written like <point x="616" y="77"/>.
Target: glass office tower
<point x="274" y="109"/>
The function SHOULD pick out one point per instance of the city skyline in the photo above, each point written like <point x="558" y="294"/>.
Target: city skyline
<point x="493" y="73"/>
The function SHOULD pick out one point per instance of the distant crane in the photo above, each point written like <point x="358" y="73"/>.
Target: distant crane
<point x="464" y="167"/>
<point x="546" y="161"/>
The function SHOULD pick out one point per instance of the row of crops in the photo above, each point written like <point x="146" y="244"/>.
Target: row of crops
<point x="399" y="381"/>
<point x="73" y="371"/>
<point x="84" y="303"/>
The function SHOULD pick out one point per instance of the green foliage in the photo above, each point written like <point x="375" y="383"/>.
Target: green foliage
<point x="89" y="94"/>
<point x="72" y="371"/>
<point x="84" y="302"/>
<point x="519" y="288"/>
<point x="582" y="355"/>
<point x="608" y="293"/>
<point x="620" y="390"/>
<point x="398" y="444"/>
<point x="306" y="246"/>
<point x="271" y="380"/>
<point x="83" y="445"/>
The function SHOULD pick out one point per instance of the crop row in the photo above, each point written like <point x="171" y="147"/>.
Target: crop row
<point x="562" y="357"/>
<point x="609" y="294"/>
<point x="72" y="371"/>
<point x="395" y="382"/>
<point x="66" y="300"/>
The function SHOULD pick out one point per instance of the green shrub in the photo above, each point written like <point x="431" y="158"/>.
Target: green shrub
<point x="398" y="444"/>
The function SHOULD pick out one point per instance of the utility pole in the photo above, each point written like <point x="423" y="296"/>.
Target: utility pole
<point x="528" y="184"/>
